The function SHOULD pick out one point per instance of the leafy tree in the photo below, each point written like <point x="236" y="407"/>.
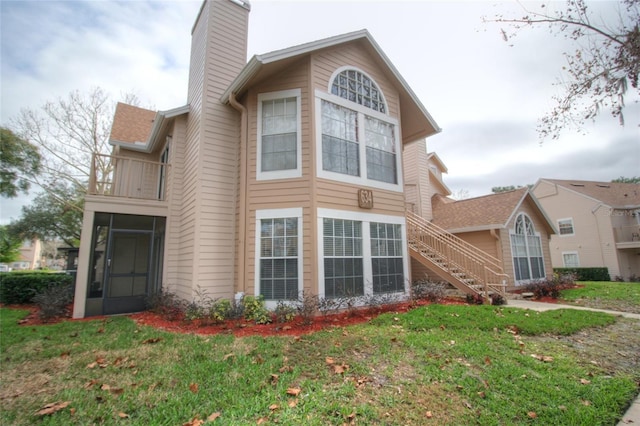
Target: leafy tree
<point x="19" y="163"/>
<point x="55" y="214"/>
<point x="622" y="179"/>
<point x="9" y="245"/>
<point x="603" y="67"/>
<point x="499" y="189"/>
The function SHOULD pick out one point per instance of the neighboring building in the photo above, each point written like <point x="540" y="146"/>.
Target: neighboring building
<point x="510" y="226"/>
<point x="598" y="224"/>
<point x="30" y="256"/>
<point x="281" y="175"/>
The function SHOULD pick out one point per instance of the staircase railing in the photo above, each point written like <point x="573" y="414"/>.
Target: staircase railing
<point x="475" y="271"/>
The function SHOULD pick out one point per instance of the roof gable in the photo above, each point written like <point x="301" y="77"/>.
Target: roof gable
<point x="415" y="126"/>
<point x="131" y="124"/>
<point x="613" y="194"/>
<point x="493" y="211"/>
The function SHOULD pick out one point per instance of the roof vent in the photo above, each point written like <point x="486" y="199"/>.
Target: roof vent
<point x="602" y="185"/>
<point x="576" y="184"/>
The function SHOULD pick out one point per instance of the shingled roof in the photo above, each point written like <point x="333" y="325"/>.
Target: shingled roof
<point x="131" y="124"/>
<point x="613" y="194"/>
<point x="480" y="213"/>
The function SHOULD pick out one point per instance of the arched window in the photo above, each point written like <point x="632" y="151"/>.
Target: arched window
<point x="526" y="249"/>
<point x="357" y="87"/>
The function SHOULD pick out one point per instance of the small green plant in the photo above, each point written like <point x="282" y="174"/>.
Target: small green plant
<point x="284" y="312"/>
<point x="220" y="310"/>
<point x="53" y="301"/>
<point x="254" y="309"/>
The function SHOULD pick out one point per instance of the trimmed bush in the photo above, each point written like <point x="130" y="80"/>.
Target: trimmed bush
<point x="21" y="287"/>
<point x="585" y="274"/>
<point x="54" y="300"/>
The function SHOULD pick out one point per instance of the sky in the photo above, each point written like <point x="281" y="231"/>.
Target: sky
<point x="486" y="94"/>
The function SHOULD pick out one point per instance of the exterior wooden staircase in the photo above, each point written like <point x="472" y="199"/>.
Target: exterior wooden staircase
<point x="463" y="265"/>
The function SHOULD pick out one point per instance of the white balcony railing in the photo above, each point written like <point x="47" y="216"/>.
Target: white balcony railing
<point x="118" y="176"/>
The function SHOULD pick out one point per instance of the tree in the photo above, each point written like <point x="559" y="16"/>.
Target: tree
<point x="601" y="69"/>
<point x="19" y="163"/>
<point x="622" y="179"/>
<point x="499" y="189"/>
<point x="9" y="246"/>
<point x="48" y="218"/>
<point x="68" y="133"/>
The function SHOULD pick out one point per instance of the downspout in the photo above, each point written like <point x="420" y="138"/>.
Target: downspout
<point x="242" y="214"/>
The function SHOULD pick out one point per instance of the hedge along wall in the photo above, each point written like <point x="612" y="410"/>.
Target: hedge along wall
<point x="585" y="274"/>
<point x="20" y="287"/>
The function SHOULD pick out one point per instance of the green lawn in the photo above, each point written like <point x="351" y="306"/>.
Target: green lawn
<point x="621" y="296"/>
<point x="435" y="365"/>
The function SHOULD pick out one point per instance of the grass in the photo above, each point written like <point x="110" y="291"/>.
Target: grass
<point x="437" y="364"/>
<point x="622" y="296"/>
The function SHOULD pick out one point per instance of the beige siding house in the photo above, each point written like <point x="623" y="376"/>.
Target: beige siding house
<point x="510" y="226"/>
<point x="282" y="175"/>
<point x="598" y="224"/>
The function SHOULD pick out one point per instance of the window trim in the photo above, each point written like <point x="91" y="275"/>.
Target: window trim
<point x="343" y="68"/>
<point x="361" y="111"/>
<point x="536" y="233"/>
<point x="564" y="264"/>
<point x="573" y="229"/>
<point x="366" y="219"/>
<point x="278" y="214"/>
<point x="279" y="174"/>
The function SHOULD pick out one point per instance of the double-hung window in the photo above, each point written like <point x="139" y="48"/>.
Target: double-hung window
<point x="343" y="267"/>
<point x="279" y="140"/>
<point x="279" y="254"/>
<point x="570" y="259"/>
<point x="359" y="142"/>
<point x="565" y="226"/>
<point x="386" y="257"/>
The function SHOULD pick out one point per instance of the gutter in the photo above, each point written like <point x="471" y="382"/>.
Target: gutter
<point x="242" y="214"/>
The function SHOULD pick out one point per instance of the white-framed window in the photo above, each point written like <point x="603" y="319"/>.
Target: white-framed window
<point x="361" y="254"/>
<point x="279" y="135"/>
<point x="356" y="86"/>
<point x="358" y="143"/>
<point x="570" y="259"/>
<point x="278" y="251"/>
<point x="526" y="249"/>
<point x="565" y="226"/>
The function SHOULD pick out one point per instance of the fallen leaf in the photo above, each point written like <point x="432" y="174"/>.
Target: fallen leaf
<point x="543" y="358"/>
<point x="329" y="360"/>
<point x="259" y="359"/>
<point x="274" y="379"/>
<point x="72" y="411"/>
<point x="292" y="403"/>
<point x="105" y="387"/>
<point x="194" y="422"/>
<point x="65" y="354"/>
<point x="92" y="365"/>
<point x="227" y="356"/>
<point x="428" y="414"/>
<point x="100" y="330"/>
<point x="532" y="414"/>
<point x="213" y="416"/>
<point x="193" y="387"/>
<point x="274" y="407"/>
<point x="286" y="369"/>
<point x="586" y="403"/>
<point x="294" y="391"/>
<point x="340" y="369"/>
<point x="261" y="420"/>
<point x="90" y="383"/>
<point x="123" y="415"/>
<point x="52" y="408"/>
<point x="151" y="340"/>
<point x="585" y="381"/>
<point x="116" y="391"/>
<point x="487" y="360"/>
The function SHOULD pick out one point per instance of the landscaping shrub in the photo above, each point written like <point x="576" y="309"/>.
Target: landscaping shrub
<point x="166" y="304"/>
<point x="474" y="299"/>
<point x="544" y="288"/>
<point x="498" y="299"/>
<point x="220" y="310"/>
<point x="284" y="312"/>
<point x="54" y="300"/>
<point x="20" y="287"/>
<point x="585" y="274"/>
<point x="254" y="310"/>
<point x="429" y="290"/>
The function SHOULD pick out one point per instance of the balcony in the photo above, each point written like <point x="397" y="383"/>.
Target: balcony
<point x="627" y="236"/>
<point x="126" y="177"/>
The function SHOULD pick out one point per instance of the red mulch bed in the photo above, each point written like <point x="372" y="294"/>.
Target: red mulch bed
<point x="298" y="326"/>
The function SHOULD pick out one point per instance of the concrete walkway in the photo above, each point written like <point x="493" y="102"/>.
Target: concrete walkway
<point x="632" y="416"/>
